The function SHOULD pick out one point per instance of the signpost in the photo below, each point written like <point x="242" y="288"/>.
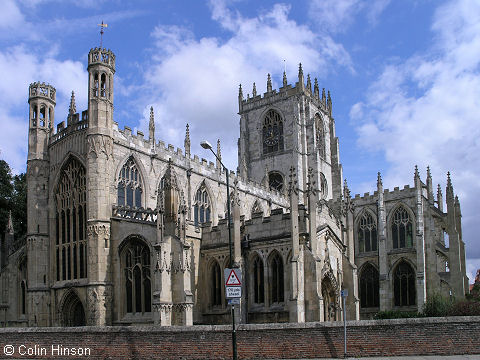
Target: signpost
<point x="233" y="293"/>
<point x="344" y="294"/>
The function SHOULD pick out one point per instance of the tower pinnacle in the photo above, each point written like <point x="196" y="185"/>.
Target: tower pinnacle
<point x="73" y="108"/>
<point x="269" y="83"/>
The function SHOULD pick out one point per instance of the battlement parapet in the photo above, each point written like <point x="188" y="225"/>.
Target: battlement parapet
<point x="63" y="131"/>
<point x="42" y="90"/>
<point x="101" y="56"/>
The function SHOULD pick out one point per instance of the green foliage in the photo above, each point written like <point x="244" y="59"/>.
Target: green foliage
<point x="437" y="305"/>
<point x="465" y="308"/>
<point x="474" y="294"/>
<point x="396" y="314"/>
<point x="13" y="197"/>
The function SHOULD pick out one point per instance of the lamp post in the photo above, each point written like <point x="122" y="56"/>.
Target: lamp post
<point x="206" y="145"/>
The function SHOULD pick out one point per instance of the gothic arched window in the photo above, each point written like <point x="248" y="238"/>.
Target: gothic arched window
<point x="22" y="271"/>
<point x="258" y="281"/>
<point x="216" y="286"/>
<point x="129" y="185"/>
<point x="201" y="206"/>
<point x="70" y="221"/>
<point x="369" y="287"/>
<point x="402" y="229"/>
<point x="320" y="135"/>
<point x="137" y="281"/>
<point x="367" y="233"/>
<point x="404" y="285"/>
<point x="275" y="181"/>
<point x="272" y="133"/>
<point x="277" y="284"/>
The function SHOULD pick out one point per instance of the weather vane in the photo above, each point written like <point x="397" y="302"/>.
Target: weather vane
<point x="102" y="26"/>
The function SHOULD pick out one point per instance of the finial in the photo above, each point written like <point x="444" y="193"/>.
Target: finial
<point x="254" y="91"/>
<point x="417" y="175"/>
<point x="300" y="72"/>
<point x="269" y="83"/>
<point x="187" y="141"/>
<point x="439" y="190"/>
<point x="449" y="181"/>
<point x="324" y="98"/>
<point x="315" y="88"/>
<point x="309" y="83"/>
<point x="240" y="92"/>
<point x="73" y="108"/>
<point x="219" y="156"/>
<point x="284" y="79"/>
<point x="429" y="175"/>
<point x="151" y="128"/>
<point x="379" y="180"/>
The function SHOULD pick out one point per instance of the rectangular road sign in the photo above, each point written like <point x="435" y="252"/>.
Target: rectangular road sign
<point x="233" y="277"/>
<point x="233" y="292"/>
<point x="235" y="301"/>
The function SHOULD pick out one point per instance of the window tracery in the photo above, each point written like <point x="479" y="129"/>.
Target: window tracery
<point x="71" y="215"/>
<point x="201" y="206"/>
<point x="404" y="285"/>
<point x="277" y="285"/>
<point x="402" y="229"/>
<point x="367" y="233"/>
<point x="129" y="185"/>
<point x="137" y="280"/>
<point x="275" y="181"/>
<point x="369" y="287"/>
<point x="272" y="132"/>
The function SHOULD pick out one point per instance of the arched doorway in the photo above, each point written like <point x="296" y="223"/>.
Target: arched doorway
<point x="73" y="313"/>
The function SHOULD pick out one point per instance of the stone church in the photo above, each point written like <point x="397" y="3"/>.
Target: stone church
<point x="125" y="230"/>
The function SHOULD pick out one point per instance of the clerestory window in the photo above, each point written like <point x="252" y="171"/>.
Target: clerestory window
<point x="129" y="185"/>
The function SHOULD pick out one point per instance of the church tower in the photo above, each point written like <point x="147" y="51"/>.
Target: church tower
<point x="41" y="121"/>
<point x="290" y="127"/>
<point x="100" y="172"/>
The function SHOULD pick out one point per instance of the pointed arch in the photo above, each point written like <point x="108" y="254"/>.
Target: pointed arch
<point x="329" y="295"/>
<point x="258" y="278"/>
<point x="401" y="227"/>
<point x="215" y="283"/>
<point x="369" y="286"/>
<point x="22" y="283"/>
<point x="272" y="131"/>
<point x="130" y="184"/>
<point x="202" y="205"/>
<point x="366" y="231"/>
<point x="276" y="277"/>
<point x="70" y="221"/>
<point x="404" y="289"/>
<point x="72" y="310"/>
<point x="135" y="260"/>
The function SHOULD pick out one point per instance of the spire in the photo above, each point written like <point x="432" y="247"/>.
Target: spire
<point x="187" y="141"/>
<point x="315" y="89"/>
<point x="449" y="190"/>
<point x="346" y="190"/>
<point x="439" y="198"/>
<point x="458" y="212"/>
<point x="151" y="126"/>
<point x="416" y="175"/>
<point x="285" y="79"/>
<point x="431" y="200"/>
<point x="379" y="182"/>
<point x="269" y="83"/>
<point x="240" y="93"/>
<point x="300" y="76"/>
<point x="73" y="108"/>
<point x="254" y="91"/>
<point x="329" y="103"/>
<point x="324" y="99"/>
<point x="219" y="156"/>
<point x="10" y="223"/>
<point x="309" y="83"/>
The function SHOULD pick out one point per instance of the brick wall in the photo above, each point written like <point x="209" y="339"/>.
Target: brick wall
<point x="434" y="336"/>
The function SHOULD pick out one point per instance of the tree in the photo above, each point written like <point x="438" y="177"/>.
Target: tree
<point x="6" y="191"/>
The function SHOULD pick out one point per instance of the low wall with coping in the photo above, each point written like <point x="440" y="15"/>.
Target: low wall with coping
<point x="424" y="336"/>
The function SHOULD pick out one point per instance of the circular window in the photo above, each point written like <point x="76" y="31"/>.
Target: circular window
<point x="275" y="181"/>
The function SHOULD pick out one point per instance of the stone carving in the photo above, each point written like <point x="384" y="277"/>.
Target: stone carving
<point x="98" y="230"/>
<point x="99" y="144"/>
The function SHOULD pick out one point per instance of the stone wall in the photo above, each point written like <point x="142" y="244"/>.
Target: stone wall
<point x="429" y="336"/>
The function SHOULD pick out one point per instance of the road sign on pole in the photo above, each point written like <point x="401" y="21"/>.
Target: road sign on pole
<point x="233" y="277"/>
<point x="233" y="292"/>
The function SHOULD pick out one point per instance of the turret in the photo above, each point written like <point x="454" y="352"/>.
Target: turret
<point x="41" y="118"/>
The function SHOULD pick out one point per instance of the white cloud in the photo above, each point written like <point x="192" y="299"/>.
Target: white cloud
<point x="425" y="110"/>
<point x="65" y="76"/>
<point x="196" y="81"/>
<point x="334" y="16"/>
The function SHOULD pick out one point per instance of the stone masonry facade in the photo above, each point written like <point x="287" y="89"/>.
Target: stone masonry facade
<point x="125" y="230"/>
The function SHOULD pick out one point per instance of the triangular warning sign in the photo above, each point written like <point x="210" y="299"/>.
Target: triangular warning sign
<point x="233" y="279"/>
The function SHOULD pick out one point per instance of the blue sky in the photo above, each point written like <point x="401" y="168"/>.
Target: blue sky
<point x="404" y="76"/>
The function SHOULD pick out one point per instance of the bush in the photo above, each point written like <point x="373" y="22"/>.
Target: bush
<point x="465" y="308"/>
<point x="437" y="305"/>
<point x="396" y="314"/>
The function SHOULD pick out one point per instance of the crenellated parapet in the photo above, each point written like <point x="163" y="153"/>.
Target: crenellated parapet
<point x="42" y="90"/>
<point x="101" y="56"/>
<point x="271" y="95"/>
